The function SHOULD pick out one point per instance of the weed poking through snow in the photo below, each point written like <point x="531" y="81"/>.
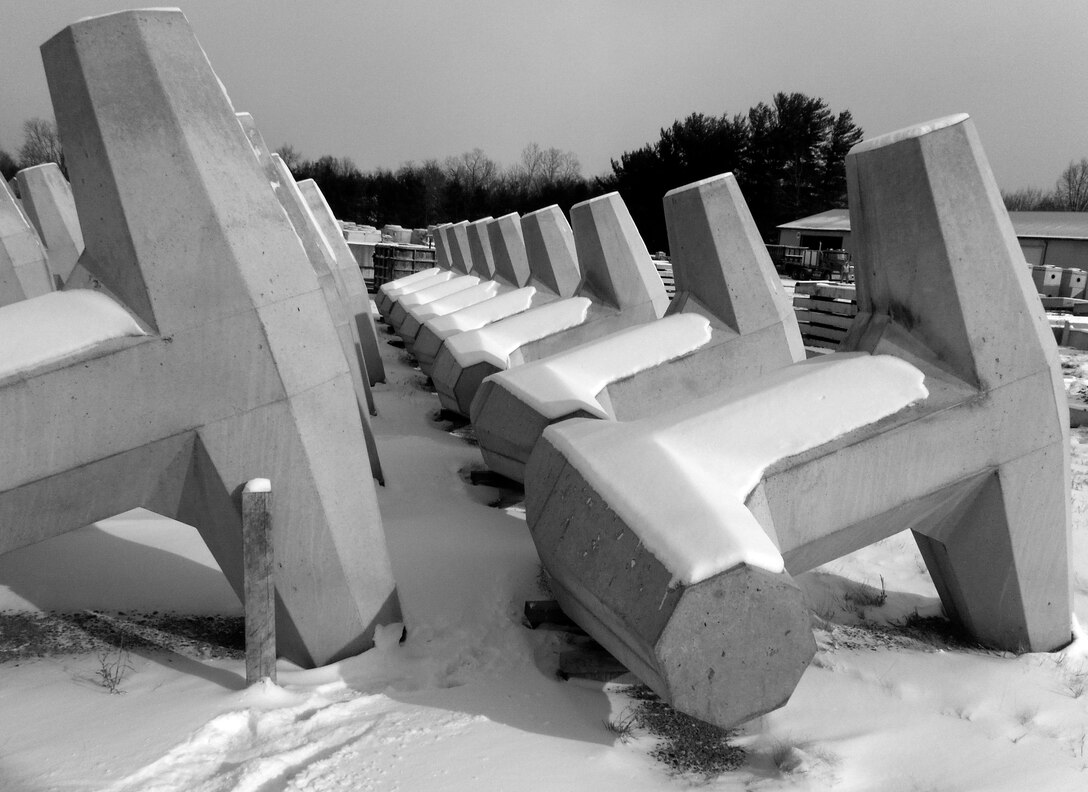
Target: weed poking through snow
<point x="113" y="664"/>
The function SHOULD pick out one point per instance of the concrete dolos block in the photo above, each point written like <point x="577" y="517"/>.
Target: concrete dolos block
<point x="240" y="374"/>
<point x="23" y="268"/>
<point x="619" y="284"/>
<point x="723" y="276"/>
<point x="47" y="199"/>
<point x="945" y="415"/>
<point x="553" y="273"/>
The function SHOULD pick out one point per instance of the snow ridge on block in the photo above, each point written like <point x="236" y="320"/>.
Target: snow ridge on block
<point x="437" y="291"/>
<point x="454" y="302"/>
<point x="710" y="454"/>
<point x="569" y="381"/>
<point x="57" y="325"/>
<point x="495" y="342"/>
<point x="396" y="287"/>
<point x="476" y="316"/>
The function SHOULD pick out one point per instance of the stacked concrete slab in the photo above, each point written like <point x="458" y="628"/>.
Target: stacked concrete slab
<point x="222" y="362"/>
<point x="24" y="270"/>
<point x="619" y="288"/>
<point x="944" y="414"/>
<point x="723" y="275"/>
<point x="47" y="200"/>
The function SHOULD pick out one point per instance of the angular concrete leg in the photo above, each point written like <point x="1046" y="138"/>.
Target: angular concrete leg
<point x="986" y="559"/>
<point x="460" y="251"/>
<point x="47" y="198"/>
<point x="508" y="245"/>
<point x="550" y="250"/>
<point x="479" y="245"/>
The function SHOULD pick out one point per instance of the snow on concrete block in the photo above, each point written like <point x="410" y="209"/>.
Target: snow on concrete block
<point x="479" y="245"/>
<point x="48" y="202"/>
<point x="399" y="312"/>
<point x="417" y="315"/>
<point x="726" y="278"/>
<point x="436" y="330"/>
<point x="508" y="245"/>
<point x="24" y="271"/>
<point x="389" y="290"/>
<point x="240" y="373"/>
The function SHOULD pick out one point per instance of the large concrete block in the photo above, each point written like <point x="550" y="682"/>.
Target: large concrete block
<point x="356" y="298"/>
<point x="723" y="275"/>
<point x="419" y="298"/>
<point x="238" y="372"/>
<point x="24" y="271"/>
<point x="619" y="291"/>
<point x="554" y="273"/>
<point x="442" y="246"/>
<point x="390" y="291"/>
<point x="945" y="414"/>
<point x="48" y="202"/>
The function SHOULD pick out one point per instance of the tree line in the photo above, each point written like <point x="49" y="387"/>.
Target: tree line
<point x="1070" y="193"/>
<point x="788" y="156"/>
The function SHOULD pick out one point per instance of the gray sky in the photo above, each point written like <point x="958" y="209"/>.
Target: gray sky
<point x="388" y="82"/>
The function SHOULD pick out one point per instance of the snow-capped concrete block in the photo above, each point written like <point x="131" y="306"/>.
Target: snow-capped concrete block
<point x="724" y="276"/>
<point x="24" y="271"/>
<point x="943" y="414"/>
<point x="479" y="245"/>
<point x="553" y="267"/>
<point x="417" y="315"/>
<point x="508" y="245"/>
<point x="389" y="292"/>
<point x="236" y="371"/>
<point x="619" y="290"/>
<point x="48" y="202"/>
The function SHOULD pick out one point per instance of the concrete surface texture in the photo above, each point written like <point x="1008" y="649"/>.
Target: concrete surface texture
<point x="723" y="273"/>
<point x="47" y="201"/>
<point x="240" y="374"/>
<point x="508" y="246"/>
<point x="973" y="461"/>
<point x="622" y="293"/>
<point x="459" y="250"/>
<point x="24" y="271"/>
<point x="442" y="246"/>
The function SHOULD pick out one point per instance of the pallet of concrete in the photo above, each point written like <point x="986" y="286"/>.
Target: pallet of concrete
<point x="553" y="275"/>
<point x="672" y="539"/>
<point x="1063" y="304"/>
<point x="664" y="271"/>
<point x="620" y="288"/>
<point x="181" y="360"/>
<point x="1048" y="280"/>
<point x="730" y="321"/>
<point x="501" y="245"/>
<point x="1073" y="283"/>
<point x="24" y="267"/>
<point x="824" y="311"/>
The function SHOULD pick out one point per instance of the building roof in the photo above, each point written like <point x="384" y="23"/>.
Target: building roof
<point x="1043" y="225"/>
<point x="831" y="220"/>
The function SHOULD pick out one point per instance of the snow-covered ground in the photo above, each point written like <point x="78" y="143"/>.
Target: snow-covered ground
<point x="471" y="701"/>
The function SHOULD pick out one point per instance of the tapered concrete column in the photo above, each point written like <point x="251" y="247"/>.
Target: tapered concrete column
<point x="48" y="202"/>
<point x="508" y="245"/>
<point x="460" y="252"/>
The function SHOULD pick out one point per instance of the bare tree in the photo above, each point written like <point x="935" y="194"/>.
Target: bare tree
<point x="291" y="156"/>
<point x="40" y="144"/>
<point x="8" y="165"/>
<point x="1026" y="199"/>
<point x="1071" y="191"/>
<point x="473" y="169"/>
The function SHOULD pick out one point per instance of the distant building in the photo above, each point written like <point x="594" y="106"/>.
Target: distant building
<point x="1056" y="239"/>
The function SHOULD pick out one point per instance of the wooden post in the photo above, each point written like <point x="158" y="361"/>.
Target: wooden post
<point x="260" y="593"/>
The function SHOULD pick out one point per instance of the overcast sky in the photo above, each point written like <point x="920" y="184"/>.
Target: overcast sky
<point x="388" y="82"/>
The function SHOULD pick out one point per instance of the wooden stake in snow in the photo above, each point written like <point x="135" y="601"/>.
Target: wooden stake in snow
<point x="260" y="594"/>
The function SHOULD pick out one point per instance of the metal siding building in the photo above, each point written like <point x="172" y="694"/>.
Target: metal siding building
<point x="1056" y="239"/>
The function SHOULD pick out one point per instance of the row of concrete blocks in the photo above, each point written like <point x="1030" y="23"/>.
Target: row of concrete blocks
<point x="215" y="329"/>
<point x="680" y="471"/>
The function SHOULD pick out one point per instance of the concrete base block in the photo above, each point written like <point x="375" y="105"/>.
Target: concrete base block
<point x="24" y="271"/>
